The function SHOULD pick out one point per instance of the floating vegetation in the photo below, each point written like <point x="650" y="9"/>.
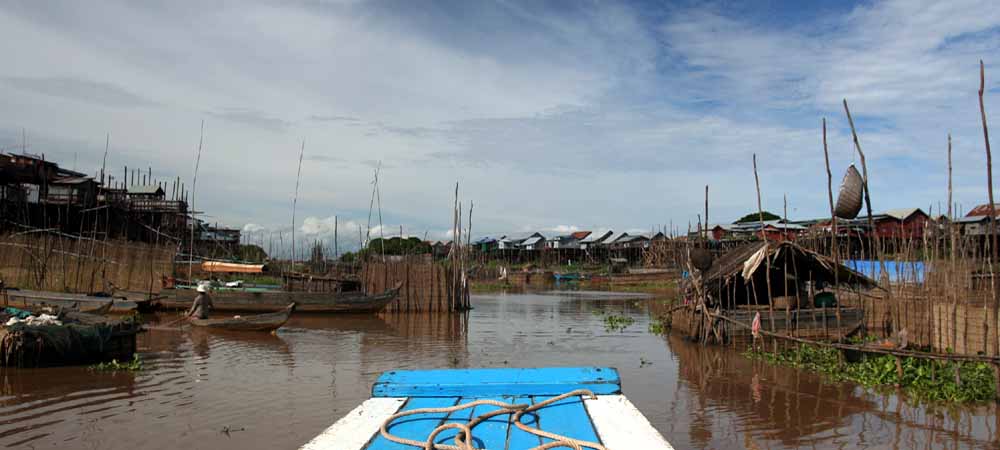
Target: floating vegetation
<point x="488" y="287"/>
<point x="656" y="326"/>
<point x="614" y="322"/>
<point x="923" y="379"/>
<point x="114" y="365"/>
<point x="656" y="286"/>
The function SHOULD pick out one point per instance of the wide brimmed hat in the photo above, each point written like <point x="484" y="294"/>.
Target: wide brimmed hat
<point x="202" y="288"/>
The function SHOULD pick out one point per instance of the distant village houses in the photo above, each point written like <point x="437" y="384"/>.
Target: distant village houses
<point x="36" y="193"/>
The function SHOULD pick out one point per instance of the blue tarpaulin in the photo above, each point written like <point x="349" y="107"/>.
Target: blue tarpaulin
<point x="898" y="271"/>
<point x="19" y="313"/>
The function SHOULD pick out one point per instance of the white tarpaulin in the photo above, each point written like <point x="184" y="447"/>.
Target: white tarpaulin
<point x="751" y="264"/>
<point x="31" y="321"/>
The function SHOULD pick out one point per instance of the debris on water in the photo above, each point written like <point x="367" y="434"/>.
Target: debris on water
<point x="226" y="430"/>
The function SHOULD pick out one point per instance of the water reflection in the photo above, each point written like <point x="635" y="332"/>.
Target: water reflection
<point x="731" y="402"/>
<point x="280" y="390"/>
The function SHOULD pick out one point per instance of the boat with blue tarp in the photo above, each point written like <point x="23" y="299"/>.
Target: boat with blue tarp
<point x="503" y="408"/>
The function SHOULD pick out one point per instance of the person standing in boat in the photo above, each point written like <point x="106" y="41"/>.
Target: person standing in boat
<point x="202" y="304"/>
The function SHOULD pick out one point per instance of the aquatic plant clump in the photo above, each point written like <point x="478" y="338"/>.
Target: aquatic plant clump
<point x="114" y="365"/>
<point x="617" y="323"/>
<point x="657" y="326"/>
<point x="923" y="379"/>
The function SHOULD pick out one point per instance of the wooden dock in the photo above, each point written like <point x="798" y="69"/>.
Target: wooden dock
<point x="607" y="419"/>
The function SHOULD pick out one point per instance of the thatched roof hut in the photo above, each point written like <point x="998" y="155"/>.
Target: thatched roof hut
<point x="740" y="276"/>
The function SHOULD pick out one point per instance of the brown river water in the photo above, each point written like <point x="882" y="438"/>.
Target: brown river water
<point x="250" y="391"/>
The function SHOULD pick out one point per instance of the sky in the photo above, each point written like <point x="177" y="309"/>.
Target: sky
<point x="551" y="116"/>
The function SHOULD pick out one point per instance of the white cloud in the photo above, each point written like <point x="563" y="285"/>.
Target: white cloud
<point x="588" y="114"/>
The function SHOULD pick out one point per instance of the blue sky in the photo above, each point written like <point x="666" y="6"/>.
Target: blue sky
<point x="552" y="115"/>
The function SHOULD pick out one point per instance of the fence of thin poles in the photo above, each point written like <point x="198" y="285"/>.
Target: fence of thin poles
<point x="938" y="284"/>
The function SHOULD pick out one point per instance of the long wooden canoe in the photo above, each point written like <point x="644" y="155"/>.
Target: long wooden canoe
<point x="258" y="322"/>
<point x="93" y="304"/>
<point x="274" y="300"/>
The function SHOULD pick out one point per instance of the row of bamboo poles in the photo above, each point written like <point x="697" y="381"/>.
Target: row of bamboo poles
<point x="52" y="261"/>
<point x="425" y="286"/>
<point x="950" y="308"/>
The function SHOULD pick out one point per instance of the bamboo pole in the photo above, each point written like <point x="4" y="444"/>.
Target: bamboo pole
<point x="763" y="235"/>
<point x="295" y="198"/>
<point x="194" y="186"/>
<point x="993" y="212"/>
<point x="784" y="277"/>
<point x="833" y="225"/>
<point x="951" y="238"/>
<point x="868" y="203"/>
<point x="993" y="236"/>
<point x="706" y="216"/>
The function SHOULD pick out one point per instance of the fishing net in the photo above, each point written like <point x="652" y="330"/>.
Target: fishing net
<point x="31" y="346"/>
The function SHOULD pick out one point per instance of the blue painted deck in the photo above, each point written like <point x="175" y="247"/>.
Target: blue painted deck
<point x="438" y="388"/>
<point x="479" y="383"/>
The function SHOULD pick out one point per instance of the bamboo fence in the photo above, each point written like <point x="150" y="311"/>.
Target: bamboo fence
<point x="47" y="260"/>
<point x="426" y="286"/>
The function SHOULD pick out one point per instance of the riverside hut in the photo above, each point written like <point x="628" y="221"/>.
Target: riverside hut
<point x="794" y="290"/>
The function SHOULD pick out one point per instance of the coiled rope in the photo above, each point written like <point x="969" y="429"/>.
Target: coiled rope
<point x="463" y="439"/>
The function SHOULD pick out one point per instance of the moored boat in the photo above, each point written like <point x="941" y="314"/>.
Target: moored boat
<point x="495" y="409"/>
<point x="94" y="304"/>
<point x="252" y="299"/>
<point x="571" y="276"/>
<point x="258" y="322"/>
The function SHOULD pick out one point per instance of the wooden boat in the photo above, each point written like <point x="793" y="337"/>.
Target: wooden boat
<point x="93" y="304"/>
<point x="580" y="403"/>
<point x="99" y="310"/>
<point x="274" y="300"/>
<point x="572" y="276"/>
<point x="259" y="322"/>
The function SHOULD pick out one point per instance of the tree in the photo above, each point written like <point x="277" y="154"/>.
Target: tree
<point x="755" y="217"/>
<point x="252" y="253"/>
<point x="396" y="246"/>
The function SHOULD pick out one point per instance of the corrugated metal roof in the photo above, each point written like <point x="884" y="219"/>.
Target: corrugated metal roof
<point x="597" y="236"/>
<point x="973" y="219"/>
<point x="615" y="238"/>
<point x="980" y="210"/>
<point x="520" y="236"/>
<point x="580" y="235"/>
<point x="902" y="213"/>
<point x="73" y="180"/>
<point x="532" y="240"/>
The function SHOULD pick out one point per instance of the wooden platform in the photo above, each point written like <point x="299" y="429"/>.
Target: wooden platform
<point x="610" y="419"/>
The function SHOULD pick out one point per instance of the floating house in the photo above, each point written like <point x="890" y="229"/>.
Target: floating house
<point x="522" y="241"/>
<point x="903" y="223"/>
<point x="595" y="238"/>
<point x="567" y="241"/>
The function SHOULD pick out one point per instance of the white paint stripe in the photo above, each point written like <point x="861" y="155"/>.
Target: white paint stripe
<point x="355" y="429"/>
<point x="621" y="426"/>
